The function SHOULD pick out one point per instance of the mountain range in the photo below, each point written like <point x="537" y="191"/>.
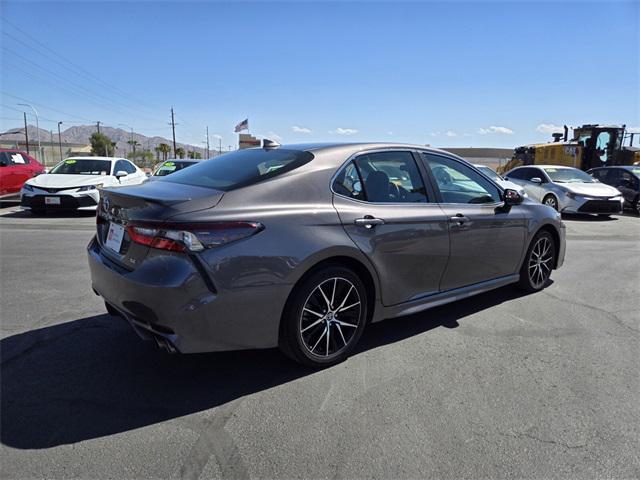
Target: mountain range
<point x="80" y="135"/>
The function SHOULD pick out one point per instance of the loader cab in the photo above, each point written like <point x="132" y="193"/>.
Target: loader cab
<point x="601" y="145"/>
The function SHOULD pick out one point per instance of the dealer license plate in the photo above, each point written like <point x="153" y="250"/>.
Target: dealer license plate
<point x="114" y="237"/>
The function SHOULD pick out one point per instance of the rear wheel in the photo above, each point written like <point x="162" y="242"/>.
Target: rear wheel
<point x="551" y="201"/>
<point x="38" y="212"/>
<point x="538" y="263"/>
<point x="325" y="317"/>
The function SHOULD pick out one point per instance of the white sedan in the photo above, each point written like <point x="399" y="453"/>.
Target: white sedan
<point x="73" y="183"/>
<point x="501" y="181"/>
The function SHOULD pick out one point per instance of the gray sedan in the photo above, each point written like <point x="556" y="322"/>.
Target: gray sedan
<point x="567" y="189"/>
<point x="302" y="246"/>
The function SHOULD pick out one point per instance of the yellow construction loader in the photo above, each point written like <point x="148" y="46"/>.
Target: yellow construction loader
<point x="592" y="146"/>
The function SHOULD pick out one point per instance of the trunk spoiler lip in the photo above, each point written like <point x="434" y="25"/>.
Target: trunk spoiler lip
<point x="150" y="192"/>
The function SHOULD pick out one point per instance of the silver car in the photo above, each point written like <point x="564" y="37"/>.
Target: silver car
<point x="567" y="189"/>
<point x="493" y="175"/>
<point x="302" y="246"/>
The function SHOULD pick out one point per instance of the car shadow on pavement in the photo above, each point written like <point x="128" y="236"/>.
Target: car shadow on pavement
<point x="93" y="377"/>
<point x="52" y="214"/>
<point x="576" y="217"/>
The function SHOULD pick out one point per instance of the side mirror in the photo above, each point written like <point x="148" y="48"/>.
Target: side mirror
<point x="512" y="197"/>
<point x="537" y="180"/>
<point x="120" y="174"/>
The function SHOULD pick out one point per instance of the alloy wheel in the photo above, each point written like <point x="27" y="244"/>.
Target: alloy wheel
<point x="540" y="262"/>
<point x="551" y="202"/>
<point x="330" y="317"/>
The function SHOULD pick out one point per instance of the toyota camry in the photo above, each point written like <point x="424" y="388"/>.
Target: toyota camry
<point x="303" y="246"/>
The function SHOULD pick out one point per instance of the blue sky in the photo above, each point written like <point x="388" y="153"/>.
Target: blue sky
<point x="446" y="74"/>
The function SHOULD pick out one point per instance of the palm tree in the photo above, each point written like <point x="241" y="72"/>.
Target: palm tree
<point x="180" y="152"/>
<point x="134" y="144"/>
<point x="165" y="149"/>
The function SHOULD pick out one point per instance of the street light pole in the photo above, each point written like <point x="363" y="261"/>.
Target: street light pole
<point x="60" y="140"/>
<point x="37" y="125"/>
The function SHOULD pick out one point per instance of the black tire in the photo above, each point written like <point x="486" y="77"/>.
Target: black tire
<point x="535" y="273"/>
<point x="309" y="326"/>
<point x="551" y="200"/>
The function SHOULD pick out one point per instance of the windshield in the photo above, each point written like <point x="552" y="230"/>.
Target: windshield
<point x="73" y="166"/>
<point x="569" y="175"/>
<point x="240" y="168"/>
<point x="489" y="173"/>
<point x="172" y="166"/>
<point x="635" y="171"/>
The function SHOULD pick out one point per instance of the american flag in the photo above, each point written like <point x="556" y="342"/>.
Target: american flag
<point x="243" y="125"/>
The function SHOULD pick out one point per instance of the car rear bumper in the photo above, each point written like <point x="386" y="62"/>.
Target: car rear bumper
<point x="167" y="299"/>
<point x="562" y="247"/>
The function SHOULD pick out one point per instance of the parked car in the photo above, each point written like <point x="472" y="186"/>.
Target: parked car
<point x="171" y="166"/>
<point x="16" y="167"/>
<point x="626" y="179"/>
<point x="567" y="189"/>
<point x="73" y="183"/>
<point x="302" y="246"/>
<point x="489" y="172"/>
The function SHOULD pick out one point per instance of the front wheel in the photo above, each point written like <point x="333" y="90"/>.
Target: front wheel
<point x="551" y="201"/>
<point x="538" y="263"/>
<point x="325" y="317"/>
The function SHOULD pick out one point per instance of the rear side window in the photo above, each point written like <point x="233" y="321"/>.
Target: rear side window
<point x="517" y="174"/>
<point x="240" y="168"/>
<point x="348" y="183"/>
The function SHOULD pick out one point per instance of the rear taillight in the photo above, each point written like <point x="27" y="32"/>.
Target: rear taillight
<point x="180" y="237"/>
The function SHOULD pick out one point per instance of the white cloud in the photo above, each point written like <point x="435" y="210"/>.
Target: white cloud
<point x="297" y="129"/>
<point x="494" y="129"/>
<point x="389" y="133"/>
<point x="549" y="128"/>
<point x="219" y="137"/>
<point x="435" y="134"/>
<point x="633" y="130"/>
<point x="451" y="133"/>
<point x="344" y="131"/>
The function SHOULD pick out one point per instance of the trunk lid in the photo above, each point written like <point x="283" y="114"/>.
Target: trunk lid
<point x="148" y="202"/>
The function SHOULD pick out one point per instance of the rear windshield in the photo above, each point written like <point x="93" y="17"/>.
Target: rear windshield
<point x="240" y="168"/>
<point x="73" y="166"/>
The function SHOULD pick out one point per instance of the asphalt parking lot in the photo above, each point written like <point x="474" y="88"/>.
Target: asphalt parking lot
<point x="498" y="386"/>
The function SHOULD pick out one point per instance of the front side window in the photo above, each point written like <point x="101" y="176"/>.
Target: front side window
<point x="13" y="158"/>
<point x="459" y="183"/>
<point x="129" y="167"/>
<point x="391" y="177"/>
<point x="73" y="166"/>
<point x="240" y="168"/>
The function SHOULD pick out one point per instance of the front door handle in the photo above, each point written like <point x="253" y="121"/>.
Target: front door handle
<point x="368" y="221"/>
<point x="459" y="219"/>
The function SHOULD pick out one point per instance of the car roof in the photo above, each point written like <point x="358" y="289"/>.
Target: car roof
<point x="348" y="149"/>
<point x="111" y="159"/>
<point x="546" y="166"/>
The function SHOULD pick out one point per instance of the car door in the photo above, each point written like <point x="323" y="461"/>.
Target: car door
<point x="15" y="172"/>
<point x="486" y="238"/>
<point x="392" y="217"/>
<point x="626" y="182"/>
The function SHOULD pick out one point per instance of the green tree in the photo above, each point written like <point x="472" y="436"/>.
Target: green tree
<point x="193" y="154"/>
<point x="101" y="145"/>
<point x="164" y="149"/>
<point x="142" y="158"/>
<point x="180" y="152"/>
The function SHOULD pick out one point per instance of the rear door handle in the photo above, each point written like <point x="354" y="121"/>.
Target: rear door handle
<point x="459" y="219"/>
<point x="368" y="221"/>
